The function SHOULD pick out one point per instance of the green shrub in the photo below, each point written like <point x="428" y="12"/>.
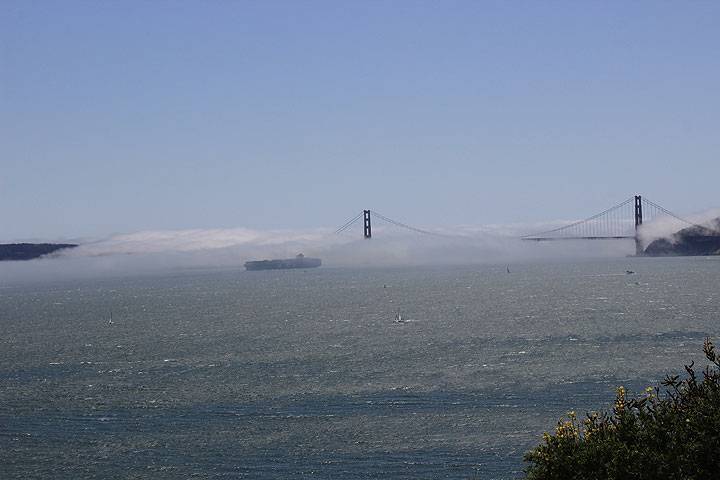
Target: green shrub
<point x="670" y="435"/>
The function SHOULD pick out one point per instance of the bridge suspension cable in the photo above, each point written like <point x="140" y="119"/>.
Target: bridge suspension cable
<point x="670" y="214"/>
<point x="408" y="227"/>
<point x="617" y="222"/>
<point x="608" y="219"/>
<point x="349" y="223"/>
<point x="390" y="221"/>
<point x="620" y="221"/>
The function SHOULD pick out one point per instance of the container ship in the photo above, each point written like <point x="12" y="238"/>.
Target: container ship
<point x="300" y="261"/>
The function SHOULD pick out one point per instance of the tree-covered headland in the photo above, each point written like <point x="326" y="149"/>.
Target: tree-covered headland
<point x="671" y="432"/>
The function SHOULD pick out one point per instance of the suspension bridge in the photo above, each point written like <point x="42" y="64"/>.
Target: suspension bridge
<point x="619" y="222"/>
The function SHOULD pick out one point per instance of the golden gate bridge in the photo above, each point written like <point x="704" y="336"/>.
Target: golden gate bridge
<point x="619" y="222"/>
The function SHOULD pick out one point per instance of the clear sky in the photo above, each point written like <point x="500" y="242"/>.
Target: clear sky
<point x="124" y="116"/>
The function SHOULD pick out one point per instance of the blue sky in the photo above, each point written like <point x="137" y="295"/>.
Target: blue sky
<point x="129" y="116"/>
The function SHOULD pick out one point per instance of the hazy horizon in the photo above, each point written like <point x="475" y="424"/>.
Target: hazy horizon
<point x="162" y="251"/>
<point x="158" y="251"/>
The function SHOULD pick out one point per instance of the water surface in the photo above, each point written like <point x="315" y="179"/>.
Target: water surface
<point x="277" y="374"/>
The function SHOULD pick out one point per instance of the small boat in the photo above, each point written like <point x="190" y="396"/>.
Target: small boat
<point x="508" y="268"/>
<point x="629" y="272"/>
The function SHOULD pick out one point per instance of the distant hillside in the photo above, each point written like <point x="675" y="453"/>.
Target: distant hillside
<point x="28" y="251"/>
<point x="689" y="241"/>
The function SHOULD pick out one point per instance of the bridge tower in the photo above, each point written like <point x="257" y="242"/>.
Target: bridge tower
<point x="638" y="223"/>
<point x="367" y="229"/>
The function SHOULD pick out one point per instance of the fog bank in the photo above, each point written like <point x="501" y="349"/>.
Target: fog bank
<point x="155" y="251"/>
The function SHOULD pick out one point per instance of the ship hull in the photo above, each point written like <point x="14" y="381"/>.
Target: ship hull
<point x="283" y="264"/>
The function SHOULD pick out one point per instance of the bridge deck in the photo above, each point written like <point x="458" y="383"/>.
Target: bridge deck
<point x="547" y="239"/>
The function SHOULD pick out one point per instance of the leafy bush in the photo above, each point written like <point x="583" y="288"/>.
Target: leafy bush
<point x="670" y="435"/>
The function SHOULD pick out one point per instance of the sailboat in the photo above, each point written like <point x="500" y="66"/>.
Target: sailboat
<point x="399" y="318"/>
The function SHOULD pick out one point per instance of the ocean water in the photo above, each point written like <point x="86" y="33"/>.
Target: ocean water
<point x="304" y="374"/>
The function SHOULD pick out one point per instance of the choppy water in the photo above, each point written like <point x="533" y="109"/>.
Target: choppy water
<point x="231" y="374"/>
